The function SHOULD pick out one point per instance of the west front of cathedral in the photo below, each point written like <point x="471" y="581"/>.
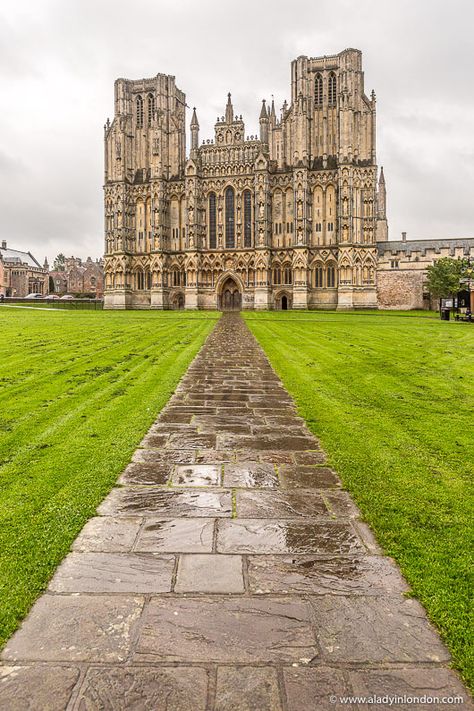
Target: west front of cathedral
<point x="288" y="219"/>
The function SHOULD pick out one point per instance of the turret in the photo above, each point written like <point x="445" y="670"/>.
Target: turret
<point x="264" y="123"/>
<point x="229" y="110"/>
<point x="194" y="131"/>
<point x="382" y="197"/>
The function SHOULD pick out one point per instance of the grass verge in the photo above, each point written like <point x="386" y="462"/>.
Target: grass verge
<point x="392" y="400"/>
<point x="77" y="392"/>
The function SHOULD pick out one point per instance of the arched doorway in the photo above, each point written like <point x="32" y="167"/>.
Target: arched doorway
<point x="230" y="298"/>
<point x="284" y="303"/>
<point x="178" y="302"/>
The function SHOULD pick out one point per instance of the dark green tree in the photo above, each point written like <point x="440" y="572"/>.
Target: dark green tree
<point x="59" y="263"/>
<point x="444" y="277"/>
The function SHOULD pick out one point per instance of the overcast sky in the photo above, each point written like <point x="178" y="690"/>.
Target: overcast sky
<point x="59" y="60"/>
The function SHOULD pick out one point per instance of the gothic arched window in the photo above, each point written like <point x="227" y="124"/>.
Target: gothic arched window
<point x="287" y="275"/>
<point x="318" y="276"/>
<point x="151" y="107"/>
<point x="318" y="90"/>
<point x="139" y="106"/>
<point x="229" y="218"/>
<point x="332" y="89"/>
<point x="247" y="218"/>
<point x="212" y="221"/>
<point x="331" y="276"/>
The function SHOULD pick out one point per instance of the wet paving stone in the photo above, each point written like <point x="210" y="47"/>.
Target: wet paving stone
<point x="213" y="456"/>
<point x="165" y="503"/>
<point x="229" y="630"/>
<point x="210" y="574"/>
<point x="108" y="534"/>
<point x="163" y="456"/>
<point x="275" y="536"/>
<point x="197" y="441"/>
<point x="247" y="689"/>
<point x="268" y="457"/>
<point x="197" y="475"/>
<point x="144" y="689"/>
<point x="341" y="504"/>
<point x="310" y="458"/>
<point x="264" y="442"/>
<point x="409" y="684"/>
<point x="375" y="629"/>
<point x="280" y="504"/>
<point x="307" y="477"/>
<point x="180" y="535"/>
<point x="337" y="575"/>
<point x="150" y="474"/>
<point x="250" y="474"/>
<point x="154" y="440"/>
<point x="114" y="572"/>
<point x="69" y="628"/>
<point x="316" y="689"/>
<point x="38" y="687"/>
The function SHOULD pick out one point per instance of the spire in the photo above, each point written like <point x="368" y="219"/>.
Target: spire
<point x="263" y="112"/>
<point x="272" y="112"/>
<point x="194" y="119"/>
<point x="382" y="177"/>
<point x="229" y="110"/>
<point x="194" y="131"/>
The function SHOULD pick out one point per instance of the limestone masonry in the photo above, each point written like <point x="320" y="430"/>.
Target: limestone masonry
<point x="289" y="219"/>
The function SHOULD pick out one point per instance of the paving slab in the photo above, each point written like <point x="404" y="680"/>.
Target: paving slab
<point x="227" y="570"/>
<point x="144" y="689"/>
<point x="222" y="629"/>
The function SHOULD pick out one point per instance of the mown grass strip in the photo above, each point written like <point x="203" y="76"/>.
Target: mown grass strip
<point x="78" y="390"/>
<point x="392" y="400"/>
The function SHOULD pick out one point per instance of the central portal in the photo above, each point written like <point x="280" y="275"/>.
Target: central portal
<point x="230" y="298"/>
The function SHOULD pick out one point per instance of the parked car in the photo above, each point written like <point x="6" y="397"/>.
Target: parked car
<point x="67" y="297"/>
<point x="34" y="296"/>
<point x="50" y="297"/>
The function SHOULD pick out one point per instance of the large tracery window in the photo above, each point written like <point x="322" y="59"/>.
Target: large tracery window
<point x="151" y="108"/>
<point x="229" y="218"/>
<point x="318" y="90"/>
<point x="332" y="89"/>
<point x="247" y="219"/>
<point x="212" y="221"/>
<point x="139" y="107"/>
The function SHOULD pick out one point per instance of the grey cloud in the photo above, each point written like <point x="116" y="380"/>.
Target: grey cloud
<point x="59" y="61"/>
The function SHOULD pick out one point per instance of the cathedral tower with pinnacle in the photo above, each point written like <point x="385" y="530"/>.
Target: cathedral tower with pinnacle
<point x="286" y="219"/>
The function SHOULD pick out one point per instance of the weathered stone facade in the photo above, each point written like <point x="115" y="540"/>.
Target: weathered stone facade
<point x="22" y="273"/>
<point x="401" y="270"/>
<point x="289" y="219"/>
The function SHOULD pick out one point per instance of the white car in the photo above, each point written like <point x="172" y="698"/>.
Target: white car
<point x="50" y="297"/>
<point x="34" y="296"/>
<point x="67" y="297"/>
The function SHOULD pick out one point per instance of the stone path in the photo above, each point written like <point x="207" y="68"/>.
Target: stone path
<point x="227" y="571"/>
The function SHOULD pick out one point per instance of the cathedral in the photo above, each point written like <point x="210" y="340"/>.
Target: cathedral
<point x="288" y="219"/>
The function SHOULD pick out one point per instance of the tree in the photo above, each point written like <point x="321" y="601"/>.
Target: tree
<point x="59" y="263"/>
<point x="444" y="277"/>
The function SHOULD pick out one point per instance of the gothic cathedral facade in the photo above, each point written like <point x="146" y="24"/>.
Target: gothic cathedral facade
<point x="286" y="219"/>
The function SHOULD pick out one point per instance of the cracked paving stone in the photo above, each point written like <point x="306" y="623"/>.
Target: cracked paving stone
<point x="196" y="475"/>
<point x="247" y="689"/>
<point x="210" y="574"/>
<point x="114" y="572"/>
<point x="291" y="536"/>
<point x="304" y="477"/>
<point x="250" y="474"/>
<point x="76" y="628"/>
<point x="36" y="688"/>
<point x="144" y="689"/>
<point x="280" y="504"/>
<point x="105" y="533"/>
<point x="375" y="629"/>
<point x="169" y="504"/>
<point x="338" y="575"/>
<point x="185" y="535"/>
<point x="314" y="689"/>
<point x="223" y="629"/>
<point x="414" y="682"/>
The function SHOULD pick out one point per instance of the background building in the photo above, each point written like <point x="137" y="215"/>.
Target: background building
<point x="22" y="273"/>
<point x="78" y="277"/>
<point x="288" y="219"/>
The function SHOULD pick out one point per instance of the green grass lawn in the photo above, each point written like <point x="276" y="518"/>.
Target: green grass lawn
<point x="392" y="400"/>
<point x="77" y="392"/>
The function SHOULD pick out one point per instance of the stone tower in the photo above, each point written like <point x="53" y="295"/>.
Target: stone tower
<point x="286" y="219"/>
